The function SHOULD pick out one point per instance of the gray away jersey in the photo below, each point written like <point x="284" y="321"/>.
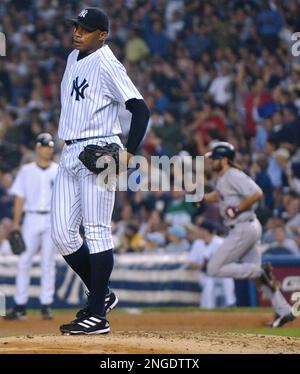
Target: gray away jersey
<point x="233" y="187"/>
<point x="92" y="91"/>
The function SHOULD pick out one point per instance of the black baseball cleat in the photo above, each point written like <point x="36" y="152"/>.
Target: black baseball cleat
<point x="282" y="320"/>
<point x="91" y="324"/>
<point x="267" y="277"/>
<point x="270" y="323"/>
<point x="46" y="312"/>
<point x="111" y="300"/>
<point x="18" y="313"/>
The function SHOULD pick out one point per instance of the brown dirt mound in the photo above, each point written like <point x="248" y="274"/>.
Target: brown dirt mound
<point x="167" y="332"/>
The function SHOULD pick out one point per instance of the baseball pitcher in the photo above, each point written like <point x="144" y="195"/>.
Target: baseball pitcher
<point x="94" y="86"/>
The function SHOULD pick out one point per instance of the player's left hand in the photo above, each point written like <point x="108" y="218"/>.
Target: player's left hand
<point x="232" y="212"/>
<point x="109" y="155"/>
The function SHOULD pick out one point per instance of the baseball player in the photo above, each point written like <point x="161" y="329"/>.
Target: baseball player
<point x="94" y="87"/>
<point x="238" y="257"/>
<point x="32" y="189"/>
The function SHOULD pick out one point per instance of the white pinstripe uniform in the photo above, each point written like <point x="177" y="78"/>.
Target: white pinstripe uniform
<point x="35" y="184"/>
<point x="92" y="91"/>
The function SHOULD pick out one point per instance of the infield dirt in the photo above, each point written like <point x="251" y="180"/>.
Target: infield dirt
<point x="153" y="332"/>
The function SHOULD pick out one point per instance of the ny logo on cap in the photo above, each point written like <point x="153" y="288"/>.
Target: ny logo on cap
<point x="83" y="13"/>
<point x="79" y="88"/>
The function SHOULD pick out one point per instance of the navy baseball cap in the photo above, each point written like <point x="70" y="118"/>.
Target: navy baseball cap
<point x="44" y="139"/>
<point x="221" y="150"/>
<point x="92" y="19"/>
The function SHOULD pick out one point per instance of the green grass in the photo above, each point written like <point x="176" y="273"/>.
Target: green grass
<point x="169" y="310"/>
<point x="197" y="309"/>
<point x="36" y="312"/>
<point x="292" y="332"/>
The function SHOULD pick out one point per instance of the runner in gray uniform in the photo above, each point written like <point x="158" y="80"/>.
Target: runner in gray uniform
<point x="238" y="257"/>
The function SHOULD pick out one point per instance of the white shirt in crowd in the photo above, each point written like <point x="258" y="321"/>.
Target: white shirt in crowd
<point x="219" y="89"/>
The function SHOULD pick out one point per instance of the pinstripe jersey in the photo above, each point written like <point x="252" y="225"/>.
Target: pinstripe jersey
<point x="92" y="91"/>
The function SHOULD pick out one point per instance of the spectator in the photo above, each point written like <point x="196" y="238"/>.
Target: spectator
<point x="219" y="87"/>
<point x="268" y="23"/>
<point x="282" y="244"/>
<point x="294" y="177"/>
<point x="292" y="213"/>
<point x="157" y="40"/>
<point x="131" y="240"/>
<point x="197" y="41"/>
<point x="174" y="25"/>
<point x="155" y="242"/>
<point x="177" y="240"/>
<point x="263" y="180"/>
<point x="178" y="211"/>
<point x="277" y="160"/>
<point x="136" y="48"/>
<point x="126" y="215"/>
<point x="6" y="200"/>
<point x="263" y="131"/>
<point x="170" y="134"/>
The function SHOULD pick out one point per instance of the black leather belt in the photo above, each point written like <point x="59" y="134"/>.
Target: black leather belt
<point x="69" y="142"/>
<point x="233" y="226"/>
<point x="39" y="211"/>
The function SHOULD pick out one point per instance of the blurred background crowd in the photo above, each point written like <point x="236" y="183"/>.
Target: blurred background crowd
<point x="208" y="70"/>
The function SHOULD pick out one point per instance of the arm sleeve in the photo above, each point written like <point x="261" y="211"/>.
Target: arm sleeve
<point x="139" y="122"/>
<point x="117" y="83"/>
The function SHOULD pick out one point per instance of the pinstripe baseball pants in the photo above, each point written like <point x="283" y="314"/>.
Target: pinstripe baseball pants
<point x="77" y="199"/>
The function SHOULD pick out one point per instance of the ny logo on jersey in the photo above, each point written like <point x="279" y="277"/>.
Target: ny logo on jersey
<point x="79" y="89"/>
<point x="83" y="13"/>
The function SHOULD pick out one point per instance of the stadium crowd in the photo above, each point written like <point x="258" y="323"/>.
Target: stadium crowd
<point x="208" y="70"/>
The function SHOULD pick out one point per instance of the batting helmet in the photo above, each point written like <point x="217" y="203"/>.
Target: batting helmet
<point x="221" y="150"/>
<point x="44" y="139"/>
